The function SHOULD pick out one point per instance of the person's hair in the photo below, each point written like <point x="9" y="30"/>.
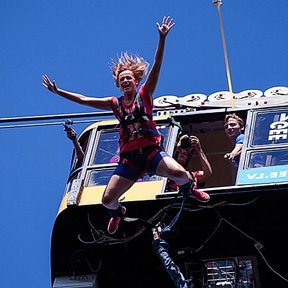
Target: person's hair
<point x="236" y="117"/>
<point x="136" y="64"/>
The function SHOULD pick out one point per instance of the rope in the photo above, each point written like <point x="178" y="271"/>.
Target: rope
<point x="177" y="217"/>
<point x="218" y="3"/>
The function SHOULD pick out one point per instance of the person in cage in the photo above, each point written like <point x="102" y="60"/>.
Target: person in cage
<point x="161" y="247"/>
<point x="187" y="146"/>
<point x="234" y="129"/>
<point x="71" y="134"/>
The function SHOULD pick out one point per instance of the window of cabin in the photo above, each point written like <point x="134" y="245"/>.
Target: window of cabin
<point x="106" y="154"/>
<point x="107" y="147"/>
<point x="264" y="156"/>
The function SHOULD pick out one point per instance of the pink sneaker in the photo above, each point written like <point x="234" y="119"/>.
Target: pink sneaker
<point x="199" y="195"/>
<point x="114" y="222"/>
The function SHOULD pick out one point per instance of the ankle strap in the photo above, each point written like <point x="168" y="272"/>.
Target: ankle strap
<point x="116" y="212"/>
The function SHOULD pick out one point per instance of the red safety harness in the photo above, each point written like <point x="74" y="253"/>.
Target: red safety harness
<point x="137" y="124"/>
<point x="143" y="166"/>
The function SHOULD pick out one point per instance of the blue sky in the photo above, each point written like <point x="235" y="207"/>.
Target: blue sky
<point x="73" y="42"/>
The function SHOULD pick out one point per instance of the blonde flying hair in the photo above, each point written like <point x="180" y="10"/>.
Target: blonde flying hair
<point x="136" y="64"/>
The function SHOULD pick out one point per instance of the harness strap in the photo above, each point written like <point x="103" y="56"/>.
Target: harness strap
<point x="150" y="156"/>
<point x="116" y="212"/>
<point x="139" y="107"/>
<point x="134" y="166"/>
<point x="185" y="189"/>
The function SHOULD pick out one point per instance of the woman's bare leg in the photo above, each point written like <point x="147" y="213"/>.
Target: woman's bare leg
<point x="116" y="187"/>
<point x="170" y="168"/>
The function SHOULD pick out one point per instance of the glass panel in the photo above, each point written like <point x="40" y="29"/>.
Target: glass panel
<point x="221" y="273"/>
<point x="270" y="128"/>
<point x="246" y="275"/>
<point x="100" y="177"/>
<point x="164" y="130"/>
<point x="268" y="158"/>
<point x="107" y="150"/>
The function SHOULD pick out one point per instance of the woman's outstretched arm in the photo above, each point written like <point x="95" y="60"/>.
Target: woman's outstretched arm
<point x="95" y="102"/>
<point x="152" y="79"/>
